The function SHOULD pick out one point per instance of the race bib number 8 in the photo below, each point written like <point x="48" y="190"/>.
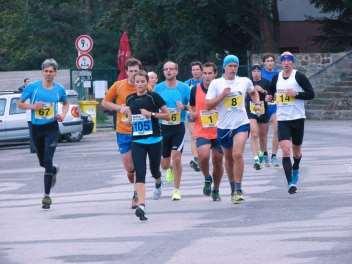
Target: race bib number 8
<point x="141" y="125"/>
<point x="175" y="117"/>
<point x="233" y="102"/>
<point x="284" y="99"/>
<point x="46" y="112"/>
<point x="209" y="118"/>
<point x="253" y="110"/>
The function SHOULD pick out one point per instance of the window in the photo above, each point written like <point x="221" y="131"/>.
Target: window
<point x="14" y="109"/>
<point x="2" y="106"/>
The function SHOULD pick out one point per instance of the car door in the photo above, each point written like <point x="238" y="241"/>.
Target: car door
<point x="2" y="118"/>
<point x="16" y="124"/>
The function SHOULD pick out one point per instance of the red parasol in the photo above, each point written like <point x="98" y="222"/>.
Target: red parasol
<point x="123" y="54"/>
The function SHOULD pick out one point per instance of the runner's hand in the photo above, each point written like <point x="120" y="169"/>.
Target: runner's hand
<point x="226" y="92"/>
<point x="180" y="105"/>
<point x="146" y="113"/>
<point x="37" y="106"/>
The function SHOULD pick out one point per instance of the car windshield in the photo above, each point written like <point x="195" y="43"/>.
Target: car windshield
<point x="2" y="106"/>
<point x="72" y="99"/>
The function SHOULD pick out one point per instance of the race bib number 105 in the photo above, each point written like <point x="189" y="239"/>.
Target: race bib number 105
<point x="141" y="125"/>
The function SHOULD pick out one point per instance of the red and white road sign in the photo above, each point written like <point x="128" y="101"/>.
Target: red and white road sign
<point x="84" y="43"/>
<point x="84" y="62"/>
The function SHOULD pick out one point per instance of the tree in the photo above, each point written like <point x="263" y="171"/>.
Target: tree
<point x="337" y="27"/>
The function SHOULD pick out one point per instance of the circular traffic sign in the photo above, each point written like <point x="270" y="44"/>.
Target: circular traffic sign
<point x="84" y="62"/>
<point x="84" y="43"/>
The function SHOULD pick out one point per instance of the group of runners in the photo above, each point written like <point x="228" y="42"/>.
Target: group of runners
<point x="220" y="113"/>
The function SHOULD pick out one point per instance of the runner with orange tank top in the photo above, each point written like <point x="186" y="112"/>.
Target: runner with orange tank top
<point x="205" y="133"/>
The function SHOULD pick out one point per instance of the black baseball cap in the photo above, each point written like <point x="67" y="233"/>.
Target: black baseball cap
<point x="256" y="67"/>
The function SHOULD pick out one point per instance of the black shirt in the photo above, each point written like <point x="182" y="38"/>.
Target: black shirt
<point x="150" y="101"/>
<point x="265" y="84"/>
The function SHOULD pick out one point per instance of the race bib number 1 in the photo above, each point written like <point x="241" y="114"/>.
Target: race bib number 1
<point x="175" y="117"/>
<point x="284" y="99"/>
<point x="46" y="112"/>
<point x="233" y="102"/>
<point x="209" y="118"/>
<point x="141" y="125"/>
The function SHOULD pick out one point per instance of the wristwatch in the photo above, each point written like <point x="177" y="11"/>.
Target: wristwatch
<point x="153" y="114"/>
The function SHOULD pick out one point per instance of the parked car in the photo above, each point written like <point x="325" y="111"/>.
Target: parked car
<point x="13" y="122"/>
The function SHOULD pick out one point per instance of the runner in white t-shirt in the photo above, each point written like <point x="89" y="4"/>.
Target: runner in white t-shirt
<point x="227" y="94"/>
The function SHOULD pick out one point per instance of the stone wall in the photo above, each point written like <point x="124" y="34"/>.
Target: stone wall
<point x="308" y="63"/>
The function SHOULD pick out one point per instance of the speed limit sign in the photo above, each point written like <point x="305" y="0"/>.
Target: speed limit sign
<point x="84" y="43"/>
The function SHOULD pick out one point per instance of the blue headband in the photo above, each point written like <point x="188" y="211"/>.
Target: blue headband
<point x="230" y="59"/>
<point x="287" y="57"/>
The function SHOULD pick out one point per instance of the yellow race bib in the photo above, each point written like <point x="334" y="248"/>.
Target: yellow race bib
<point x="252" y="107"/>
<point x="233" y="102"/>
<point x="284" y="99"/>
<point x="175" y="117"/>
<point x="209" y="118"/>
<point x="46" y="112"/>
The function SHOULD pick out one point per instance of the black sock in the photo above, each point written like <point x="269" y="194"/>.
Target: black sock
<point x="273" y="155"/>
<point x="265" y="153"/>
<point x="232" y="184"/>
<point x="158" y="183"/>
<point x="287" y="165"/>
<point x="296" y="162"/>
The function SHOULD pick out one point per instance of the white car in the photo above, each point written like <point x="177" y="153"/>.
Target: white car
<point x="13" y="121"/>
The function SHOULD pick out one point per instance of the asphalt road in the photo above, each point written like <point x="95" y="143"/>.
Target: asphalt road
<point x="90" y="220"/>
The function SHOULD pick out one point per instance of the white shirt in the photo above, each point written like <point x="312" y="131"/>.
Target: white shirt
<point x="232" y="110"/>
<point x="291" y="108"/>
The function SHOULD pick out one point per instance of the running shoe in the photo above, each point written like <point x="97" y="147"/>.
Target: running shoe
<point x="157" y="193"/>
<point x="215" y="195"/>
<point x="134" y="200"/>
<point x="295" y="177"/>
<point x="207" y="186"/>
<point x="46" y="202"/>
<point x="169" y="177"/>
<point x="140" y="213"/>
<point x="292" y="188"/>
<point x="261" y="157"/>
<point x="266" y="160"/>
<point x="237" y="197"/>
<point x="275" y="162"/>
<point x="176" y="195"/>
<point x="194" y="165"/>
<point x="256" y="164"/>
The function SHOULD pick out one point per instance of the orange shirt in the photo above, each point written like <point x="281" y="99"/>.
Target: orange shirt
<point x="118" y="93"/>
<point x="198" y="130"/>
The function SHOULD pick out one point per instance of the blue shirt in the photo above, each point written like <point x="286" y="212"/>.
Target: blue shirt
<point x="36" y="93"/>
<point x="268" y="75"/>
<point x="173" y="94"/>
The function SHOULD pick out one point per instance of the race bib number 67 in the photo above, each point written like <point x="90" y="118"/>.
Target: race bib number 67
<point x="46" y="112"/>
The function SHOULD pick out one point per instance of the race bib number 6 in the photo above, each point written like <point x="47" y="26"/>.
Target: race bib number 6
<point x="175" y="117"/>
<point x="232" y="102"/>
<point x="209" y="118"/>
<point x="46" y="112"/>
<point x="284" y="99"/>
<point x="141" y="125"/>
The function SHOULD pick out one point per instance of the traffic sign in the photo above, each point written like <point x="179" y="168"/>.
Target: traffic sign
<point x="84" y="43"/>
<point x="84" y="62"/>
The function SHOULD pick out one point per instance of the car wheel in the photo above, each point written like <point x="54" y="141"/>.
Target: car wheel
<point x="74" y="137"/>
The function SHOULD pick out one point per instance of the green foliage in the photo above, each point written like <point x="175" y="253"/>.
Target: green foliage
<point x="337" y="29"/>
<point x="180" y="30"/>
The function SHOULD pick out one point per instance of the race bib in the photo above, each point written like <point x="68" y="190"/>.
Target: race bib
<point x="46" y="112"/>
<point x="209" y="118"/>
<point x="175" y="117"/>
<point x="141" y="125"/>
<point x="233" y="102"/>
<point x="284" y="99"/>
<point x="252" y="108"/>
